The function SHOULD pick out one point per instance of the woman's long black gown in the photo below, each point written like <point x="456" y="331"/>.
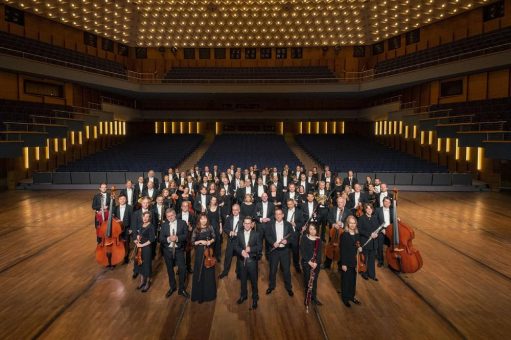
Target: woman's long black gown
<point x="204" y="281"/>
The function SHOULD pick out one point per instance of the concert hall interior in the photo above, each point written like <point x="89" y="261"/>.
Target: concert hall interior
<point x="254" y="169"/>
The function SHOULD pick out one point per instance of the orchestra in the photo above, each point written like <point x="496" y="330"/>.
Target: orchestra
<point x="310" y="219"/>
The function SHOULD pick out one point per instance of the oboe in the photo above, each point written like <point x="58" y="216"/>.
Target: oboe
<point x="312" y="276"/>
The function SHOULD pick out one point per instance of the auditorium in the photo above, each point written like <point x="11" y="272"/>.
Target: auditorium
<point x="255" y="169"/>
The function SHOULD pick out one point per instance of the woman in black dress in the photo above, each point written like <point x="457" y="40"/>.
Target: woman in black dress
<point x="310" y="251"/>
<point x="248" y="208"/>
<point x="274" y="196"/>
<point x="204" y="284"/>
<point x="349" y="251"/>
<point x="215" y="220"/>
<point x="184" y="197"/>
<point x="145" y="237"/>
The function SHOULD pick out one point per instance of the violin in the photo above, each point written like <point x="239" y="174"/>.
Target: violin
<point x="209" y="259"/>
<point x="402" y="256"/>
<point x="361" y="260"/>
<point x="360" y="210"/>
<point x="110" y="251"/>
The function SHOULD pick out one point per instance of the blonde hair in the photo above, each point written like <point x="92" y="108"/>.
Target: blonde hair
<point x="351" y="217"/>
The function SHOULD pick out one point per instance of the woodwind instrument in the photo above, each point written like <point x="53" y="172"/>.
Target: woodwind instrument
<point x="312" y="276"/>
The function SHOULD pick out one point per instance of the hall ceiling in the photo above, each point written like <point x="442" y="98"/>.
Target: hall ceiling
<point x="246" y="23"/>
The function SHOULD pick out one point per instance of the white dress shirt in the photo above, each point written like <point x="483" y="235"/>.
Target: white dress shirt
<point x="247" y="237"/>
<point x="279" y="229"/>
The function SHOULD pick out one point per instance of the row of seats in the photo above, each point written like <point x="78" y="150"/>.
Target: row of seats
<point x="245" y="150"/>
<point x="468" y="47"/>
<point x="316" y="72"/>
<point x="12" y="44"/>
<point x="347" y="152"/>
<point x="157" y="152"/>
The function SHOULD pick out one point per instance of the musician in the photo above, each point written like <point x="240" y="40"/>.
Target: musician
<point x="265" y="177"/>
<point x="168" y="202"/>
<point x="240" y="192"/>
<point x="228" y="187"/>
<point x="139" y="188"/>
<point x="357" y="197"/>
<point x="279" y="234"/>
<point x="315" y="174"/>
<point x="323" y="196"/>
<point x="367" y="225"/>
<point x="338" y="188"/>
<point x="189" y="218"/>
<point x="165" y="184"/>
<point x="190" y="184"/>
<point x="159" y="214"/>
<point x="285" y="180"/>
<point x="259" y="189"/>
<point x="371" y="195"/>
<point x="383" y="193"/>
<point x="101" y="200"/>
<point x="291" y="193"/>
<point x="349" y="250"/>
<point x="184" y="197"/>
<point x="173" y="241"/>
<point x="301" y="196"/>
<point x="214" y="215"/>
<point x="275" y="195"/>
<point x="201" y="201"/>
<point x="136" y="221"/>
<point x="151" y="178"/>
<point x="231" y="228"/>
<point x="150" y="191"/>
<point x="248" y="246"/>
<point x="215" y="173"/>
<point x="368" y="182"/>
<point x="294" y="217"/>
<point x="377" y="184"/>
<point x="327" y="176"/>
<point x="204" y="282"/>
<point x="309" y="207"/>
<point x="181" y="179"/>
<point x="129" y="192"/>
<point x="302" y="182"/>
<point x="385" y="215"/>
<point x="212" y="189"/>
<point x="336" y="219"/>
<point x="265" y="210"/>
<point x="145" y="236"/>
<point x="311" y="179"/>
<point x="350" y="180"/>
<point x="124" y="213"/>
<point x="248" y="207"/>
<point x="310" y="251"/>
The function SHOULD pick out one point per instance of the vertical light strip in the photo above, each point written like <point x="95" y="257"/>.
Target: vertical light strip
<point x="480" y="158"/>
<point x="467" y="153"/>
<point x="111" y="128"/>
<point x="430" y="138"/>
<point x="100" y="128"/>
<point x="422" y="137"/>
<point x="334" y="127"/>
<point x="300" y="127"/>
<point x="389" y="131"/>
<point x="407" y="132"/>
<point x="447" y="145"/>
<point x="124" y="128"/>
<point x="457" y="151"/>
<point x="385" y="123"/>
<point x="217" y="128"/>
<point x="73" y="137"/>
<point x="47" y="149"/>
<point x="56" y="144"/>
<point x="401" y="127"/>
<point x="80" y="138"/>
<point x="439" y="144"/>
<point x="156" y="127"/>
<point x="342" y="127"/>
<point x="64" y="144"/>
<point x="37" y="155"/>
<point x="95" y="132"/>
<point x="116" y="123"/>
<point x="376" y="126"/>
<point x="87" y="131"/>
<point x="198" y="127"/>
<point x="26" y="158"/>
<point x="415" y="132"/>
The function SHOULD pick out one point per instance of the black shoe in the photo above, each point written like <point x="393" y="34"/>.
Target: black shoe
<point x="170" y="292"/>
<point x="141" y="285"/>
<point x="126" y="260"/>
<point x="317" y="302"/>
<point x="201" y="301"/>
<point x="269" y="290"/>
<point x="375" y="279"/>
<point x="325" y="267"/>
<point x="146" y="287"/>
<point x="190" y="270"/>
<point x="365" y="277"/>
<point x="221" y="276"/>
<point x="134" y="276"/>
<point x="347" y="304"/>
<point x="112" y="267"/>
<point x="298" y="270"/>
<point x="241" y="300"/>
<point x="380" y="264"/>
<point x="290" y="292"/>
<point x="184" y="293"/>
<point x="254" y="304"/>
<point x="355" y="301"/>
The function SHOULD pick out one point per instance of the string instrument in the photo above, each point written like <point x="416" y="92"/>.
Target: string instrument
<point x="360" y="210"/>
<point x="110" y="251"/>
<point x="209" y="259"/>
<point x="332" y="249"/>
<point x="401" y="255"/>
<point x="102" y="215"/>
<point x="312" y="276"/>
<point x="361" y="260"/>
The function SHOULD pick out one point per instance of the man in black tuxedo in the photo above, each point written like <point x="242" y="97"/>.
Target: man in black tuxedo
<point x="294" y="216"/>
<point x="231" y="228"/>
<point x="244" y="189"/>
<point x="150" y="191"/>
<point x="139" y="189"/>
<point x="166" y="183"/>
<point x="248" y="246"/>
<point x="265" y="211"/>
<point x="385" y="215"/>
<point x="336" y="218"/>
<point x="383" y="193"/>
<point x="279" y="235"/>
<point x="259" y="189"/>
<point x="124" y="213"/>
<point x="357" y="197"/>
<point x="302" y="182"/>
<point x="189" y="218"/>
<point x="202" y="200"/>
<point x="129" y="192"/>
<point x="291" y="193"/>
<point x="285" y="181"/>
<point x="101" y="199"/>
<point x="152" y="178"/>
<point x="349" y="180"/>
<point x="173" y="241"/>
<point x="309" y="206"/>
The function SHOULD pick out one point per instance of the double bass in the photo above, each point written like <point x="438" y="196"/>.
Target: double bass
<point x="110" y="251"/>
<point x="401" y="256"/>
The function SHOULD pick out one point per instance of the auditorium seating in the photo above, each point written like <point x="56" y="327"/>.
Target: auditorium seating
<point x="490" y="42"/>
<point x="157" y="152"/>
<point x="349" y="152"/>
<point x="245" y="150"/>
<point x="34" y="49"/>
<point x="291" y="74"/>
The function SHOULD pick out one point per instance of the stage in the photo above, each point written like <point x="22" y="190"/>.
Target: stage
<point x="52" y="287"/>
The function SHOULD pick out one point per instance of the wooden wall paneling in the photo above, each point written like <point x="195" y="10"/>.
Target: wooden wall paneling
<point x="498" y="84"/>
<point x="477" y="86"/>
<point x="9" y="88"/>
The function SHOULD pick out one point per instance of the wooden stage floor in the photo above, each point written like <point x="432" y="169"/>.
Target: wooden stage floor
<point x="52" y="288"/>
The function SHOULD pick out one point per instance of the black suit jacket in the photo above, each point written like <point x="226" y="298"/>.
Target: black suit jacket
<point x="305" y="209"/>
<point x="197" y="206"/>
<point x="136" y="220"/>
<point x="156" y="182"/>
<point x="332" y="215"/>
<point x="346" y="182"/>
<point x="124" y="192"/>
<point x="254" y="242"/>
<point x="153" y="196"/>
<point x="139" y="193"/>
<point x="191" y="219"/>
<point x="361" y="199"/>
<point x="96" y="201"/>
<point x="381" y="217"/>
<point x="366" y="226"/>
<point x="181" y="232"/>
<point x="389" y="195"/>
<point x="157" y="216"/>
<point x="271" y="233"/>
<point x="128" y="215"/>
<point x="270" y="211"/>
<point x="228" y="226"/>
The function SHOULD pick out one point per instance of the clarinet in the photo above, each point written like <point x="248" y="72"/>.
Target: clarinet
<point x="312" y="276"/>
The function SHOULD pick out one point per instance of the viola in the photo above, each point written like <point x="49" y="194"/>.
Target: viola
<point x="402" y="256"/>
<point x="361" y="260"/>
<point x="110" y="251"/>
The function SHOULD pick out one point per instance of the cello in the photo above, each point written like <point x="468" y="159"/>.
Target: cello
<point x="110" y="251"/>
<point x="332" y="249"/>
<point x="401" y="255"/>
